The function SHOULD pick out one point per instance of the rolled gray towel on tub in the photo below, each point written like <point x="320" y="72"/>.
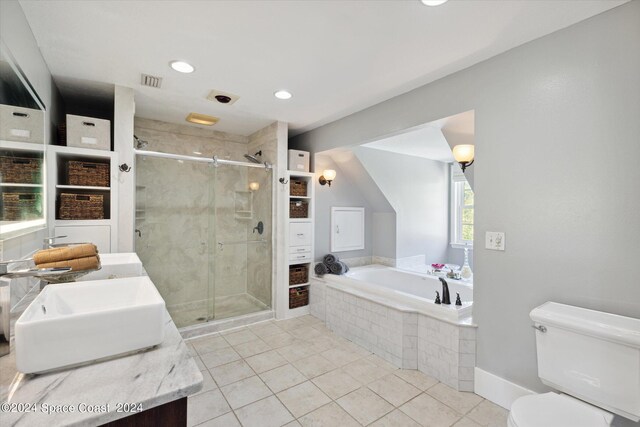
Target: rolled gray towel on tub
<point x="338" y="268"/>
<point x="321" y="269"/>
<point x="329" y="259"/>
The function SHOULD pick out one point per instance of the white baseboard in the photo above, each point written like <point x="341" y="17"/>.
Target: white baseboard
<point x="497" y="389"/>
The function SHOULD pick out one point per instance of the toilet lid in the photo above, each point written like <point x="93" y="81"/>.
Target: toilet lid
<point x="556" y="410"/>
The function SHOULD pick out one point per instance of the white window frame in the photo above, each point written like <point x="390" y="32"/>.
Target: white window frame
<point x="458" y="180"/>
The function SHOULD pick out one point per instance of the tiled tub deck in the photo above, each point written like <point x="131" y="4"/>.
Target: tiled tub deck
<point x="406" y="339"/>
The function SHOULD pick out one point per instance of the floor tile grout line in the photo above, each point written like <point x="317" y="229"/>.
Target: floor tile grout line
<point x="448" y="405"/>
<point x="327" y="404"/>
<point x="394" y="406"/>
<point x="342" y="344"/>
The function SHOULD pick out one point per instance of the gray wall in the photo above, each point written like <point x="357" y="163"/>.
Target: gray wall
<point x="556" y="127"/>
<point x="343" y="192"/>
<point x="418" y="190"/>
<point x="384" y="236"/>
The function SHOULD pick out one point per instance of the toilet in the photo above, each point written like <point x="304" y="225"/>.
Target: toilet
<point x="591" y="359"/>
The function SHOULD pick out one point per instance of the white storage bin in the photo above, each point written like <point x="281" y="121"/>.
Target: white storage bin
<point x="298" y="160"/>
<point x="21" y="124"/>
<point x="88" y="132"/>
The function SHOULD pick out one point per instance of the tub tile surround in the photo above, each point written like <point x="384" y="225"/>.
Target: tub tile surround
<point x="407" y="340"/>
<point x="304" y="374"/>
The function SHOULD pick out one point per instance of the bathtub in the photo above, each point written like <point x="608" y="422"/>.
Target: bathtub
<point x="406" y="291"/>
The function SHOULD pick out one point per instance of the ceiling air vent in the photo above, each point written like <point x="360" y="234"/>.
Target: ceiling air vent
<point x="151" y="81"/>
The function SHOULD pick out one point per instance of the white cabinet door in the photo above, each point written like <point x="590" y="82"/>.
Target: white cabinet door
<point x="100" y="235"/>
<point x="347" y="229"/>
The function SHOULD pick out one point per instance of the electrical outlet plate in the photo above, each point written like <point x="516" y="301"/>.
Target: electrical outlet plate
<point x="494" y="240"/>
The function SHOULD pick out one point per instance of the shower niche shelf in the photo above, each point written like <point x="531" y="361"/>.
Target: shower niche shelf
<point x="243" y="204"/>
<point x="141" y="202"/>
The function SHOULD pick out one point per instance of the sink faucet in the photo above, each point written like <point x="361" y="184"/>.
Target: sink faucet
<point x="446" y="298"/>
<point x="5" y="295"/>
<point x="30" y="272"/>
<point x="47" y="243"/>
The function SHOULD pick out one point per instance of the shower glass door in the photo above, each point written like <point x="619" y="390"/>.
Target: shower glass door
<point x="240" y="225"/>
<point x="197" y="240"/>
<point x="172" y="215"/>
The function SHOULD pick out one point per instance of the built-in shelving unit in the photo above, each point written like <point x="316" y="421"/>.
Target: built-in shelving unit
<point x="33" y="217"/>
<point x="300" y="238"/>
<point x="103" y="232"/>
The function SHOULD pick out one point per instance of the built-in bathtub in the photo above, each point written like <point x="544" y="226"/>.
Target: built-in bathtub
<point x="407" y="291"/>
<point x="392" y="313"/>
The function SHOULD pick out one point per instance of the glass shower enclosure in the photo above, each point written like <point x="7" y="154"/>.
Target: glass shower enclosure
<point x="203" y="233"/>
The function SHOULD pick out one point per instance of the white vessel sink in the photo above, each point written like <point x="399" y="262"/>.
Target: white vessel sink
<point x="115" y="266"/>
<point x="73" y="323"/>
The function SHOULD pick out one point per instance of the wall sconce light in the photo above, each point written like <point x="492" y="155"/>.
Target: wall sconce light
<point x="327" y="176"/>
<point x="464" y="155"/>
<point x="254" y="186"/>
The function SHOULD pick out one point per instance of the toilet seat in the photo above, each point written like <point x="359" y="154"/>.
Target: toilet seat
<point x="556" y="410"/>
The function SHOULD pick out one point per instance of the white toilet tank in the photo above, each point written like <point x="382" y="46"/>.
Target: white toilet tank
<point x="591" y="355"/>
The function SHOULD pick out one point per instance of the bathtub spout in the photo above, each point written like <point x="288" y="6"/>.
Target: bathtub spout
<point x="446" y="298"/>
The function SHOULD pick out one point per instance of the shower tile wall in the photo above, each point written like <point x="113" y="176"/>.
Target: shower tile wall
<point x="177" y="235"/>
<point x="259" y="266"/>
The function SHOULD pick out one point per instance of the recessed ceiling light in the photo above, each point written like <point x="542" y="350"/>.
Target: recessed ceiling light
<point x="282" y="94"/>
<point x="182" y="67"/>
<point x="433" y="2"/>
<point x="201" y="119"/>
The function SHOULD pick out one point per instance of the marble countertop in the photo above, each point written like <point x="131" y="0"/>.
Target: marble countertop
<point x="93" y="392"/>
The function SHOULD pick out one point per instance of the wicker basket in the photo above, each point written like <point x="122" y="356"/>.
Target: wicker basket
<point x="298" y="274"/>
<point x="298" y="209"/>
<point x="21" y="170"/>
<point x="21" y="206"/>
<point x="81" y="206"/>
<point x="62" y="134"/>
<point x="88" y="174"/>
<point x="298" y="187"/>
<point x="298" y="297"/>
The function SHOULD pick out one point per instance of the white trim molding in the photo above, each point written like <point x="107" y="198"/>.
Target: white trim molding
<point x="497" y="389"/>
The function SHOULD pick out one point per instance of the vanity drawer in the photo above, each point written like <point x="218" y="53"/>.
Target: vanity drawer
<point x="299" y="249"/>
<point x="299" y="257"/>
<point x="300" y="234"/>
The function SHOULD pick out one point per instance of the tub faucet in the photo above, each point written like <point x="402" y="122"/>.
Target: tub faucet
<point x="446" y="298"/>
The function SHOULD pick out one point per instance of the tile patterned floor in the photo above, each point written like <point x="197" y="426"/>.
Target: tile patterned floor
<point x="298" y="373"/>
<point x="225" y="307"/>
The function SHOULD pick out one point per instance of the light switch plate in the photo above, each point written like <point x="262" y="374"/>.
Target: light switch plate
<point x="494" y="240"/>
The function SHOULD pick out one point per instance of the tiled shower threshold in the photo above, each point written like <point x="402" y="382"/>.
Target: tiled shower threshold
<point x="225" y="324"/>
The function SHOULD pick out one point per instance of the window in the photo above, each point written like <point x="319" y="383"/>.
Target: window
<point x="461" y="209"/>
